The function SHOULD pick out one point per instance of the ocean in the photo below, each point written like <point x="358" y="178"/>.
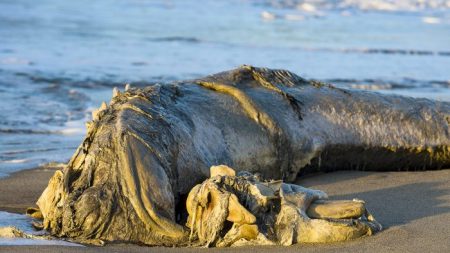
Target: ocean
<point x="60" y="59"/>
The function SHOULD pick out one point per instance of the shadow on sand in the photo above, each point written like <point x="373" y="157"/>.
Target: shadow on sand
<point x="402" y="204"/>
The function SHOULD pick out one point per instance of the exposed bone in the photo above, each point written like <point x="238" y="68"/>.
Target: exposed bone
<point x="343" y="209"/>
<point x="294" y="226"/>
<point x="281" y="217"/>
<point x="115" y="92"/>
<point x="96" y="114"/>
<point x="221" y="170"/>
<point x="103" y="106"/>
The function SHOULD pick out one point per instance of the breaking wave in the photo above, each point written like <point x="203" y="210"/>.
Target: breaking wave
<point x="380" y="84"/>
<point x="363" y="5"/>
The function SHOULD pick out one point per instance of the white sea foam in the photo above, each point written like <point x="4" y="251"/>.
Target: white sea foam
<point x="431" y="20"/>
<point x="365" y="5"/>
<point x="294" y="17"/>
<point x="267" y="15"/>
<point x="23" y="241"/>
<point x="15" y="161"/>
<point x="371" y="86"/>
<point x="14" y="61"/>
<point x="71" y="131"/>
<point x="308" y="7"/>
<point x="23" y="223"/>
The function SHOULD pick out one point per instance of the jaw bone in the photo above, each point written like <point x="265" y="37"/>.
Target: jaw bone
<point x="228" y="210"/>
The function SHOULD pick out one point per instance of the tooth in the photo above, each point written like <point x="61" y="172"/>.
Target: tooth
<point x="116" y="92"/>
<point x="103" y="106"/>
<point x="95" y="114"/>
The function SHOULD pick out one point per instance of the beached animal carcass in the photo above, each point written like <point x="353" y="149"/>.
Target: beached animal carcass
<point x="144" y="152"/>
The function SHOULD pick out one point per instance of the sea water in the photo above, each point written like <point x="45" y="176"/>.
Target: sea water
<point x="60" y="59"/>
<point x="23" y="223"/>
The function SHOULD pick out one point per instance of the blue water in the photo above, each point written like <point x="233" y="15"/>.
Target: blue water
<point x="60" y="59"/>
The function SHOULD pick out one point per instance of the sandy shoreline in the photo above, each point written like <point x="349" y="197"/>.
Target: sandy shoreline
<point x="414" y="208"/>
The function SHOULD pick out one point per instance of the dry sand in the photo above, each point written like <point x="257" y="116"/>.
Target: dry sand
<point x="414" y="208"/>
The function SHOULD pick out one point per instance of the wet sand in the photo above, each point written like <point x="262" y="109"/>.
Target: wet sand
<point x="414" y="208"/>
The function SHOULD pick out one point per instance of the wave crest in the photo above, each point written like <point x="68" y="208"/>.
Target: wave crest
<point x="363" y="5"/>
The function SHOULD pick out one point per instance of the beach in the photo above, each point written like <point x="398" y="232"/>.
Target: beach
<point x="60" y="59"/>
<point x="413" y="207"/>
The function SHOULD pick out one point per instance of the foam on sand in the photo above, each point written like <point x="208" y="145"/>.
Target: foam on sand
<point x="23" y="223"/>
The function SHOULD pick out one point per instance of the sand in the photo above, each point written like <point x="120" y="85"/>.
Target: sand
<point x="414" y="208"/>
